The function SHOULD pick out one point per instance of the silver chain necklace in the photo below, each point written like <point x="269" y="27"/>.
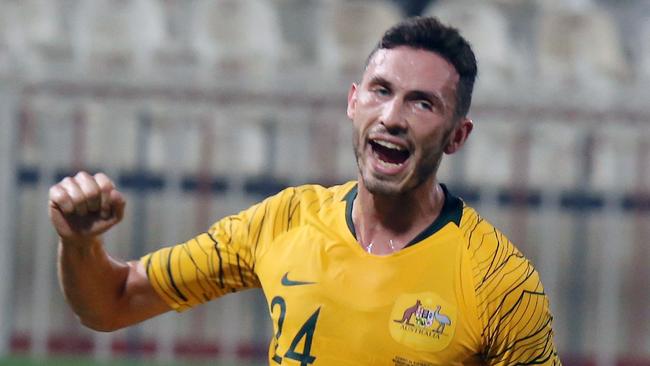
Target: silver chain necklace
<point x="390" y="245"/>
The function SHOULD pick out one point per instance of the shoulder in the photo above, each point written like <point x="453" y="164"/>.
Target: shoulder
<point x="291" y="205"/>
<point x="322" y="193"/>
<point x="496" y="262"/>
<point x="314" y="191"/>
<point x="312" y="197"/>
<point x="482" y="239"/>
<point x="473" y="226"/>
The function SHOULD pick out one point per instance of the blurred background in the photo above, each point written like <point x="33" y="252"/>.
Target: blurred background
<point x="198" y="108"/>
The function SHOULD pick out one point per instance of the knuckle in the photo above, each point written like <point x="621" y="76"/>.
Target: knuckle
<point x="56" y="193"/>
<point x="81" y="174"/>
<point x="103" y="181"/>
<point x="77" y="199"/>
<point x="105" y="189"/>
<point x="89" y="187"/>
<point x="93" y="193"/>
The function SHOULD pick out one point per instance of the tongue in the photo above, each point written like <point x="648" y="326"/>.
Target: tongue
<point x="390" y="155"/>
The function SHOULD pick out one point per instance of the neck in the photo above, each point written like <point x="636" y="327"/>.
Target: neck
<point x="390" y="222"/>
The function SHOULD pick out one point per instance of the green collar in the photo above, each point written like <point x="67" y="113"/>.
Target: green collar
<point x="452" y="210"/>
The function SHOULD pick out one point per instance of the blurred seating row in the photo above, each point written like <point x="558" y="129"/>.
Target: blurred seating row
<point x="544" y="41"/>
<point x="294" y="144"/>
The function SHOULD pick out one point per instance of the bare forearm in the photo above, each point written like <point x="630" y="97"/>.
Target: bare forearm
<point x="106" y="294"/>
<point x="92" y="282"/>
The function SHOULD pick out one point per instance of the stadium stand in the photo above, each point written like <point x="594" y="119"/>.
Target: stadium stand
<point x="644" y="60"/>
<point x="176" y="51"/>
<point x="237" y="37"/>
<point x="615" y="160"/>
<point x="117" y="35"/>
<point x="349" y="32"/>
<point x="580" y="50"/>
<point x="486" y="28"/>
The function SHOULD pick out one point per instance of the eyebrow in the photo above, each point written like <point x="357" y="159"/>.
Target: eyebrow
<point x="378" y="80"/>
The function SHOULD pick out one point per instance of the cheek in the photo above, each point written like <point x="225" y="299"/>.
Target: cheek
<point x="435" y="141"/>
<point x="357" y="137"/>
<point x="363" y="98"/>
<point x="362" y="122"/>
<point x="366" y="105"/>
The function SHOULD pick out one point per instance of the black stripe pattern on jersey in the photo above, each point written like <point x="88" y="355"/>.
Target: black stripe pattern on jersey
<point x="512" y="304"/>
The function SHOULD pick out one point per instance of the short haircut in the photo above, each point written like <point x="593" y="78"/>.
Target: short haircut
<point x="428" y="33"/>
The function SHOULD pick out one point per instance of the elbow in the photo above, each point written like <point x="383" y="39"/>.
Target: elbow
<point x="100" y="325"/>
<point x="101" y="318"/>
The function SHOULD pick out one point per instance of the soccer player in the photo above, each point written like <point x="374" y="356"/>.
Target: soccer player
<point x="391" y="269"/>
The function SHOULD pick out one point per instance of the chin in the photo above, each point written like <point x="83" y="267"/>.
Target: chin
<point x="397" y="185"/>
<point x="384" y="187"/>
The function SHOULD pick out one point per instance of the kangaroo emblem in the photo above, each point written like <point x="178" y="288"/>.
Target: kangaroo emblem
<point x="442" y="320"/>
<point x="408" y="314"/>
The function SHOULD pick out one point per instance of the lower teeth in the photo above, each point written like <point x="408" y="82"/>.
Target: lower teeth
<point x="388" y="164"/>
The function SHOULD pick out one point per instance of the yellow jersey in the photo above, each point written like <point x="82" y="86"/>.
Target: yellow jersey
<point x="459" y="294"/>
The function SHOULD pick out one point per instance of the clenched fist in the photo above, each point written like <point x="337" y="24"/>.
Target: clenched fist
<point x="85" y="206"/>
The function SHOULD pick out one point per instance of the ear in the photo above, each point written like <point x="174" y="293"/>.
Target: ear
<point x="352" y="101"/>
<point x="459" y="135"/>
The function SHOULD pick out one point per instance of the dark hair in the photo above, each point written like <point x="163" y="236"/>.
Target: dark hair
<point x="428" y="33"/>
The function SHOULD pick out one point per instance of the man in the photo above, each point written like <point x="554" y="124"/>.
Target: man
<point x="389" y="270"/>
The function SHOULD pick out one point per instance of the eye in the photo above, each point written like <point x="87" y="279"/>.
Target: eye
<point x="424" y="105"/>
<point x="380" y="91"/>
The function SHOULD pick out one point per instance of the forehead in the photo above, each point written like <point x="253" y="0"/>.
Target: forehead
<point x="413" y="69"/>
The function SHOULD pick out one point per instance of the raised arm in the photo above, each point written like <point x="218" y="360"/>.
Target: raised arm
<point x="106" y="294"/>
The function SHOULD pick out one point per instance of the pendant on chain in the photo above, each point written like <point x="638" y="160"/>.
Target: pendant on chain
<point x="390" y="245"/>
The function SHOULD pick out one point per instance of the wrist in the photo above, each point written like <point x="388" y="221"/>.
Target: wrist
<point x="81" y="245"/>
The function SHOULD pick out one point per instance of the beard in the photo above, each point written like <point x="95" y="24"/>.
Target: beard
<point x="426" y="167"/>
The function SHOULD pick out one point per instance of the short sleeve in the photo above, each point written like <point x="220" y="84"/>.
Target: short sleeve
<point x="513" y="308"/>
<point x="221" y="260"/>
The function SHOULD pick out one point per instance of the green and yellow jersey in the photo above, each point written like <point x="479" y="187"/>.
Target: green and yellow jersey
<point x="459" y="294"/>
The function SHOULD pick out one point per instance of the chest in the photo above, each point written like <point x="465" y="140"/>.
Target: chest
<point x="333" y="303"/>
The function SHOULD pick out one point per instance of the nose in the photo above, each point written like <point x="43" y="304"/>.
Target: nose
<point x="393" y="116"/>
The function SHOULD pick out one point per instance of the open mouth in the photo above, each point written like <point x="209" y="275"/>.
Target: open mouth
<point x="389" y="153"/>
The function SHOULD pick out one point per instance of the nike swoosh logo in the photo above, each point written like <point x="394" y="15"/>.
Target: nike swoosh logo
<point x="287" y="282"/>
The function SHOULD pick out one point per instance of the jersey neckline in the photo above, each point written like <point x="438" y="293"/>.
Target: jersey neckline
<point x="452" y="210"/>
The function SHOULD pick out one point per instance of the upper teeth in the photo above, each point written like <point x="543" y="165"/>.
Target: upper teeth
<point x="389" y="145"/>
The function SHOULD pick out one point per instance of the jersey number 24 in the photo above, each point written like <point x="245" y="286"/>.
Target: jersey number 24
<point x="306" y="331"/>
